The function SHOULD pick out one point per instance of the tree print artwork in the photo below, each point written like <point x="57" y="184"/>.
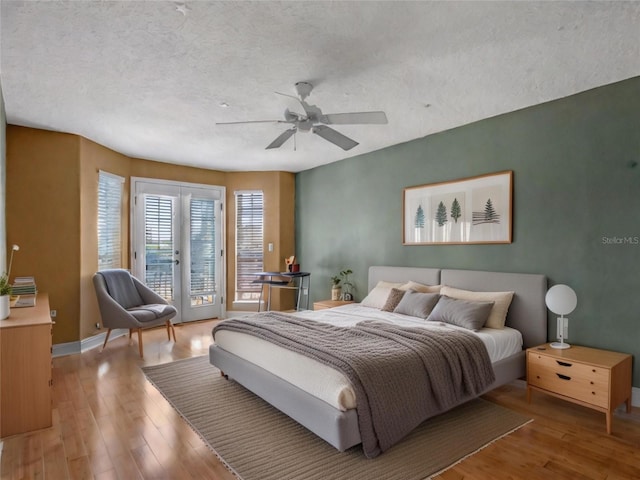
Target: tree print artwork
<point x="441" y="214"/>
<point x="488" y="216"/>
<point x="463" y="211"/>
<point x="456" y="211"/>
<point x="419" y="218"/>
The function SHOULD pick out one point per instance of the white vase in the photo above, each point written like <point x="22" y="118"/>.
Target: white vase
<point x="335" y="293"/>
<point x="4" y="306"/>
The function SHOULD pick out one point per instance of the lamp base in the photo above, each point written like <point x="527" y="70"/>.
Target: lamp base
<point x="560" y="345"/>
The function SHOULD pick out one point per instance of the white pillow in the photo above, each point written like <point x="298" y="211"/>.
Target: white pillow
<point x="501" y="302"/>
<point x="421" y="287"/>
<point x="378" y="295"/>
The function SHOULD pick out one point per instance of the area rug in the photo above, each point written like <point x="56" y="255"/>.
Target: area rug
<point x="258" y="442"/>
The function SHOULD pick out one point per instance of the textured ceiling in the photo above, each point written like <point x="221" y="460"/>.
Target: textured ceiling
<point x="149" y="78"/>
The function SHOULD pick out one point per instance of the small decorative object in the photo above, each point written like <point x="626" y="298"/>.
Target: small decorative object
<point x="470" y="210"/>
<point x="346" y="284"/>
<point x="5" y="296"/>
<point x="336" y="289"/>
<point x="14" y="248"/>
<point x="561" y="300"/>
<point x="341" y="285"/>
<point x="290" y="262"/>
<point x="5" y="288"/>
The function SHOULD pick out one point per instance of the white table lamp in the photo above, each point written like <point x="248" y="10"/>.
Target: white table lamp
<point x="561" y="300"/>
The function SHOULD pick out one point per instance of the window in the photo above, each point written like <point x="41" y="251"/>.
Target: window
<point x="159" y="244"/>
<point x="249" y="244"/>
<point x="109" y="220"/>
<point x="203" y="256"/>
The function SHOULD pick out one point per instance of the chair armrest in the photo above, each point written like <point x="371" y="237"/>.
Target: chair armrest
<point x="148" y="296"/>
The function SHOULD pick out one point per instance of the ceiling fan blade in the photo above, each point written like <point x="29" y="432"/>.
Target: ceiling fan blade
<point x="354" y="118"/>
<point x="334" y="137"/>
<point x="251" y="121"/>
<point x="283" y="137"/>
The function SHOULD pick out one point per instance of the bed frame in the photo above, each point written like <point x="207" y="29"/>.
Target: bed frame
<point x="527" y="313"/>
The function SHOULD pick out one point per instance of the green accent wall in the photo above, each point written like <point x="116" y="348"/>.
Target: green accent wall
<point x="576" y="207"/>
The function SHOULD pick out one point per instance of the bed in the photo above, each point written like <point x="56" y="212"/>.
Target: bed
<point x="241" y="359"/>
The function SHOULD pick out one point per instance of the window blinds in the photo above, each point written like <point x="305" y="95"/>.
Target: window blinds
<point x="249" y="244"/>
<point x="109" y="220"/>
<point x="203" y="257"/>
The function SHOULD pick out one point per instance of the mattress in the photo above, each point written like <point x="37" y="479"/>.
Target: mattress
<point x="327" y="383"/>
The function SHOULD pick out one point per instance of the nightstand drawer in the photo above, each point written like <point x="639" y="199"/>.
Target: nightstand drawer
<point x="576" y="380"/>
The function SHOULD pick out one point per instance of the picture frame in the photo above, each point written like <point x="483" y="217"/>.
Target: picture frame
<point x="473" y="210"/>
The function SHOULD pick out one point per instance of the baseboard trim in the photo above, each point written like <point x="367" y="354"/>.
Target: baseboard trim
<point x="89" y="343"/>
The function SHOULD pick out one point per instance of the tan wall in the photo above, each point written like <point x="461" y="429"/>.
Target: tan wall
<point x="278" y="226"/>
<point x="94" y="158"/>
<point x="55" y="175"/>
<point x="43" y="212"/>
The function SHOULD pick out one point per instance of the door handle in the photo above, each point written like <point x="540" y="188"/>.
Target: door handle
<point x="177" y="262"/>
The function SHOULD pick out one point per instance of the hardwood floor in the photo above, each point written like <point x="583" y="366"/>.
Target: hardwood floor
<point x="110" y="423"/>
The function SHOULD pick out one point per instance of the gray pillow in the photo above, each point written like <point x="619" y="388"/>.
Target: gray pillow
<point x="393" y="299"/>
<point x="463" y="313"/>
<point x="417" y="304"/>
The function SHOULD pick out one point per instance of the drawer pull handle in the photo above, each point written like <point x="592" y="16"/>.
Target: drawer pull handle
<point x="563" y="377"/>
<point x="563" y="364"/>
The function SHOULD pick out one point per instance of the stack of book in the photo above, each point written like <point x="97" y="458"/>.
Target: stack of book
<point x="25" y="289"/>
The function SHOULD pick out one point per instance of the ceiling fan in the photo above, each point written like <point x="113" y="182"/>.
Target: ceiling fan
<point x="309" y="118"/>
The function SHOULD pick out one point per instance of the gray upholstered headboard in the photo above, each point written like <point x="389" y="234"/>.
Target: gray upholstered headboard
<point x="527" y="312"/>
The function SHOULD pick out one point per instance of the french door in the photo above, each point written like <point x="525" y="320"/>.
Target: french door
<point x="177" y="244"/>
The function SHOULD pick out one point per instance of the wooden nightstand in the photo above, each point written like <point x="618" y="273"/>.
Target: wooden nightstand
<point x="594" y="378"/>
<point x="322" y="304"/>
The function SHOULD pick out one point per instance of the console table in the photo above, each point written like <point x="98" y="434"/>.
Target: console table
<point x="299" y="281"/>
<point x="25" y="369"/>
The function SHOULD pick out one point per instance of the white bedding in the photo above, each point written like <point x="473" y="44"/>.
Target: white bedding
<point x="327" y="383"/>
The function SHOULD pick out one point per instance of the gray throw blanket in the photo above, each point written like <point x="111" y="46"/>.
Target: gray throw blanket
<point x="401" y="376"/>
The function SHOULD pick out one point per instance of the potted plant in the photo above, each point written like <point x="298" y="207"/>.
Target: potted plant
<point x="346" y="284"/>
<point x="336" y="289"/>
<point x="5" y="296"/>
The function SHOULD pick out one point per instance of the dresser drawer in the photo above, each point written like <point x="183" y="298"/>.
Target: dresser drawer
<point x="573" y="379"/>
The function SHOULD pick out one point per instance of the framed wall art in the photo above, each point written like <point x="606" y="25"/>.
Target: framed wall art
<point x="469" y="210"/>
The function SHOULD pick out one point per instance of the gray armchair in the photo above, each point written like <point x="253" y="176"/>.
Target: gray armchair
<point x="125" y="302"/>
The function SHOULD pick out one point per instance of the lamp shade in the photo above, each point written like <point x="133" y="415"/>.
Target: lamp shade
<point x="561" y="299"/>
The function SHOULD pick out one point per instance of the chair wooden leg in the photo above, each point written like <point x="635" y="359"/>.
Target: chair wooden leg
<point x="140" y="342"/>
<point x="170" y="330"/>
<point x="106" y="339"/>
